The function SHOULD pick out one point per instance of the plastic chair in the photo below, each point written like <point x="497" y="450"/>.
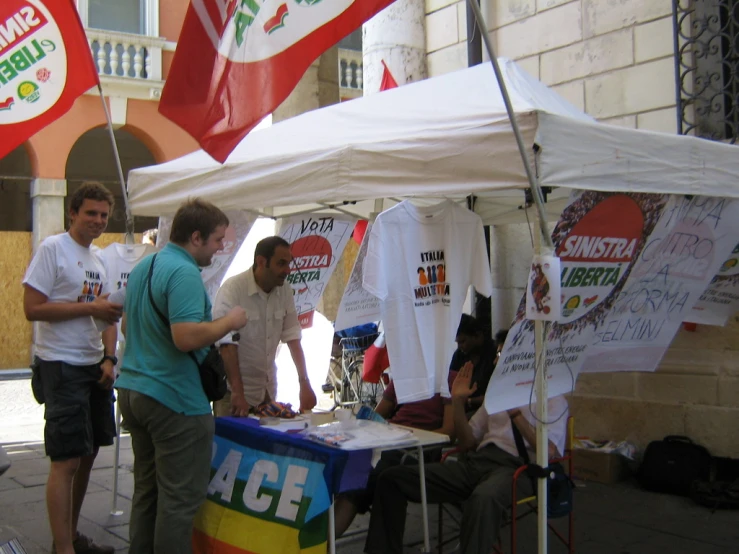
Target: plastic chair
<point x="528" y="503"/>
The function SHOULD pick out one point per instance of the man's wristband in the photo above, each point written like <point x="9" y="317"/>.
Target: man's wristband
<point x="111" y="358"/>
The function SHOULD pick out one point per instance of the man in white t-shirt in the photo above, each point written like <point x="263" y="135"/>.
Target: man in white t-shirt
<point x="64" y="291"/>
<point x="249" y="356"/>
<point x="481" y="478"/>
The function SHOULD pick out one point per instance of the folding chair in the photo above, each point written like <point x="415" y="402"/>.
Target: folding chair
<point x="528" y="504"/>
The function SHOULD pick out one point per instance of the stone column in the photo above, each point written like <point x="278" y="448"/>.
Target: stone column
<point x="47" y="196"/>
<point x="319" y="87"/>
<point x="396" y="35"/>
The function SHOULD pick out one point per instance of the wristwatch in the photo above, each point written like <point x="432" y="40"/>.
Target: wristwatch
<point x="111" y="358"/>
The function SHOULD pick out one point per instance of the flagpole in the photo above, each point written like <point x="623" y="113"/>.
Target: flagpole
<point x="119" y="167"/>
<point x="544" y="244"/>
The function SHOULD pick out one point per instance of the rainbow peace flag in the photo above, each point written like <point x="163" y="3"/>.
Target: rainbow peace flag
<point x="264" y="497"/>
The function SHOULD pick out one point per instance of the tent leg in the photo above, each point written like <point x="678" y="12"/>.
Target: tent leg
<point x="114" y="511"/>
<point x="542" y="434"/>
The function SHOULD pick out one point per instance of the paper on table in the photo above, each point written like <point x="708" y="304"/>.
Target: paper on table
<point x="297" y="423"/>
<point x="360" y="434"/>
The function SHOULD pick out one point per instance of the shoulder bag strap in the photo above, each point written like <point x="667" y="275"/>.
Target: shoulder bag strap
<point x="156" y="309"/>
<point x="520" y="445"/>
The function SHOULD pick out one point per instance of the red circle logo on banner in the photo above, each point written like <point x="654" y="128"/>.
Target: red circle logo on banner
<point x="311" y="252"/>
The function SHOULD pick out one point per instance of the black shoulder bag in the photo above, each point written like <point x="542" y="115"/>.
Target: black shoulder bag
<point x="559" y="484"/>
<point x="212" y="371"/>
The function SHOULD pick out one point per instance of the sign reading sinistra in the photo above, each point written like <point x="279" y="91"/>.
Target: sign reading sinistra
<point x="237" y="60"/>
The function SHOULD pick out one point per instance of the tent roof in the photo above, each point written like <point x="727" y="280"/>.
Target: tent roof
<point x="443" y="137"/>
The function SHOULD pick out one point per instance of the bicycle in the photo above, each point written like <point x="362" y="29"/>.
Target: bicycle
<point x="345" y="374"/>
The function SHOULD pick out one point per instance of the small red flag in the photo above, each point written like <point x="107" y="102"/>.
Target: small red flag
<point x="236" y="61"/>
<point x="45" y="65"/>
<point x="388" y="81"/>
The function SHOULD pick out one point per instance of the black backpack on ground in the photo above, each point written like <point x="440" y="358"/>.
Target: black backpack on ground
<point x="672" y="464"/>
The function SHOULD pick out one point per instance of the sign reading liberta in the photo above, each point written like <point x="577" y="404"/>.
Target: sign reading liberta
<point x="45" y="64"/>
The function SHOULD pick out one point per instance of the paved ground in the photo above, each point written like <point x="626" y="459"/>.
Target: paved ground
<point x="611" y="519"/>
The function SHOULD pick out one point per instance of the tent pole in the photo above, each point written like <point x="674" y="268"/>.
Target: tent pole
<point x="119" y="167"/>
<point x="533" y="181"/>
<point x="540" y="327"/>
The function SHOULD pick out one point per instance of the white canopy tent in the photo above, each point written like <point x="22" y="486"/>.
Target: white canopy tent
<point x="446" y="137"/>
<point x="443" y="137"/>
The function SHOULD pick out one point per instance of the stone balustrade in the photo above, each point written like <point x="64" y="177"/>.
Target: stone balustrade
<point x="350" y="70"/>
<point x="125" y="55"/>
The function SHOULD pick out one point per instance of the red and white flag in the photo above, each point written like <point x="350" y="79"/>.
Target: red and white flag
<point x="388" y="81"/>
<point x="237" y="60"/>
<point x="45" y="65"/>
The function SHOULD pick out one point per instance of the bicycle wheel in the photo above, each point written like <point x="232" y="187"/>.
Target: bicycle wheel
<point x="368" y="394"/>
<point x="349" y="389"/>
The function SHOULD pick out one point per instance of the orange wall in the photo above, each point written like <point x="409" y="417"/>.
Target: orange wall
<point x="163" y="138"/>
<point x="51" y="145"/>
<point x="171" y="15"/>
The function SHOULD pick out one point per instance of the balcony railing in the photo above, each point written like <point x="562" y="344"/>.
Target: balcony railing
<point x="126" y="56"/>
<point x="350" y="70"/>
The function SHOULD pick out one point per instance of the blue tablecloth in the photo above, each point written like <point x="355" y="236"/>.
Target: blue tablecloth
<point x="344" y="470"/>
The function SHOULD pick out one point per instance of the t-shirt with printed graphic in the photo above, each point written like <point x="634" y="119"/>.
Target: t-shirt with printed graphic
<point x="119" y="260"/>
<point x="420" y="263"/>
<point x="66" y="271"/>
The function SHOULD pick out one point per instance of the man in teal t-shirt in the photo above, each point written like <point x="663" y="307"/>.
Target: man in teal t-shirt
<point x="159" y="390"/>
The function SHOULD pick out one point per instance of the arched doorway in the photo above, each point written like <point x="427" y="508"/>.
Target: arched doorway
<point x="16" y="213"/>
<point x="91" y="159"/>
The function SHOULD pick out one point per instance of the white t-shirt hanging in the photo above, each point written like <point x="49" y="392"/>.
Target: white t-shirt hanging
<point x="65" y="271"/>
<point x="119" y="260"/>
<point x="420" y="263"/>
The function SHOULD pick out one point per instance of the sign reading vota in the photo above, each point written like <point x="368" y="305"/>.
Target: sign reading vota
<point x="596" y="253"/>
<point x="252" y="30"/>
<point x="33" y="60"/>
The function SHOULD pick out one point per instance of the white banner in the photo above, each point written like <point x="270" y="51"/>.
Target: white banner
<point x="357" y="306"/>
<point x="633" y="265"/>
<point x="689" y="244"/>
<point x="721" y="299"/>
<point x="316" y="242"/>
<point x="240" y="223"/>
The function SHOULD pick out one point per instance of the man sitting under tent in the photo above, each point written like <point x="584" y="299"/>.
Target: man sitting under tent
<point x="481" y="478"/>
<point x="473" y="346"/>
<point x="433" y="414"/>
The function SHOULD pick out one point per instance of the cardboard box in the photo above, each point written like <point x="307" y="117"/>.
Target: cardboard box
<point x="603" y="467"/>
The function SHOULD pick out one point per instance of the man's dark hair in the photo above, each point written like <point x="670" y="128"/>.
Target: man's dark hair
<point x="196" y="215"/>
<point x="500" y="336"/>
<point x="90" y="190"/>
<point x="469" y="326"/>
<point x="266" y="247"/>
